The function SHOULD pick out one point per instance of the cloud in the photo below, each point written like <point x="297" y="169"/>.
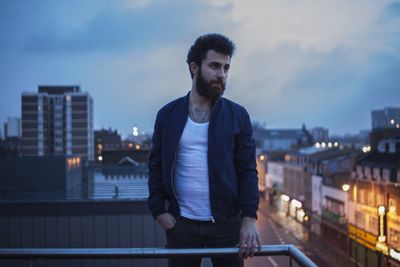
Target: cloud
<point x="117" y="28"/>
<point x="299" y="60"/>
<point x="324" y="63"/>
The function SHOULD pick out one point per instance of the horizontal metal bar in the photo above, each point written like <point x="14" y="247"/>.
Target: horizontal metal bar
<point x="107" y="253"/>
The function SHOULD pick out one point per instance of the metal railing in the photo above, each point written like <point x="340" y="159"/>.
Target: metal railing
<point x="33" y="254"/>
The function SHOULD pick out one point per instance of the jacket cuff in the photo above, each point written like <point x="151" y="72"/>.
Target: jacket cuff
<point x="158" y="211"/>
<point x="249" y="214"/>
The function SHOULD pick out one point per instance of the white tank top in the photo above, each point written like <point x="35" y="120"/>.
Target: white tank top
<point x="191" y="172"/>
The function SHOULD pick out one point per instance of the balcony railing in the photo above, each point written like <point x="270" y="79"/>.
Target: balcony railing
<point x="33" y="254"/>
<point x="335" y="217"/>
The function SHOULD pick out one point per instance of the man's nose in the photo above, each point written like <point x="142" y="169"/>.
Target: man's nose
<point x="221" y="73"/>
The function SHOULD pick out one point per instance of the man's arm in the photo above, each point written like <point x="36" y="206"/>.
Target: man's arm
<point x="157" y="194"/>
<point x="248" y="185"/>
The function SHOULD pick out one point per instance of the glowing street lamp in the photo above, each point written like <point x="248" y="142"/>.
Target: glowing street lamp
<point x="135" y="131"/>
<point x="336" y="144"/>
<point x="345" y="187"/>
<point x="285" y="197"/>
<point x="296" y="203"/>
<point x="381" y="245"/>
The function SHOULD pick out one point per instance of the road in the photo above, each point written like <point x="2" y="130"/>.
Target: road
<point x="278" y="229"/>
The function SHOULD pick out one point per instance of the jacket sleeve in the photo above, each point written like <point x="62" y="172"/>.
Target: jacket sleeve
<point x="157" y="195"/>
<point x="245" y="162"/>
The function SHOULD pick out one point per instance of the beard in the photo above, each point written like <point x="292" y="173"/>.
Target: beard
<point x="210" y="90"/>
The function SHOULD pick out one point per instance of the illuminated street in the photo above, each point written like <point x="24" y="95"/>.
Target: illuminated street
<point x="277" y="229"/>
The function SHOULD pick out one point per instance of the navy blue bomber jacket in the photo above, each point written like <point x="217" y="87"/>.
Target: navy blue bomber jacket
<point x="232" y="170"/>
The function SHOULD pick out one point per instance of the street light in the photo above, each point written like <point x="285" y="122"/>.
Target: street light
<point x="381" y="245"/>
<point x="345" y="187"/>
<point x="135" y="131"/>
<point x="336" y="144"/>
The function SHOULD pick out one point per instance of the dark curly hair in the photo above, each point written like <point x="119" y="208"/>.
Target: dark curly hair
<point x="212" y="41"/>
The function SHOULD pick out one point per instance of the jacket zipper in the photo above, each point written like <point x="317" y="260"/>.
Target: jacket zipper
<point x="209" y="176"/>
<point x="172" y="177"/>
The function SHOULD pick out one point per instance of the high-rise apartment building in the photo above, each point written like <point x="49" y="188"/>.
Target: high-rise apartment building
<point x="386" y="118"/>
<point x="58" y="120"/>
<point x="12" y="127"/>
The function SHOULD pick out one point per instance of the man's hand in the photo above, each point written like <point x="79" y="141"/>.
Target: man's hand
<point x="249" y="240"/>
<point x="166" y="220"/>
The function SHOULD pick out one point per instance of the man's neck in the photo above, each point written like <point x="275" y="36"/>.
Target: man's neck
<point x="198" y="101"/>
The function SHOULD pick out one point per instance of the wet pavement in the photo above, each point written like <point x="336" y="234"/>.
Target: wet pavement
<point x="277" y="228"/>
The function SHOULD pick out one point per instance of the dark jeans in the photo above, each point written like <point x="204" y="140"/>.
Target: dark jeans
<point x="196" y="234"/>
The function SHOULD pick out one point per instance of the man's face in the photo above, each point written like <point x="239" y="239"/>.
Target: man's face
<point x="212" y="75"/>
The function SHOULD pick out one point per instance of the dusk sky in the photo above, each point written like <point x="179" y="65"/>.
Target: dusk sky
<point x="322" y="63"/>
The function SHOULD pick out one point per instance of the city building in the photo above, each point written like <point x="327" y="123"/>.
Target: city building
<point x="388" y="117"/>
<point x="359" y="140"/>
<point x="10" y="147"/>
<point x="114" y="157"/>
<point x="334" y="210"/>
<point x="377" y="135"/>
<point x="261" y="161"/>
<point x="12" y="127"/>
<point x="29" y="176"/>
<point x="106" y="140"/>
<point x="320" y="134"/>
<point x="57" y="120"/>
<point x="274" y="180"/>
<point x="313" y="178"/>
<point x="281" y="139"/>
<point x="374" y="206"/>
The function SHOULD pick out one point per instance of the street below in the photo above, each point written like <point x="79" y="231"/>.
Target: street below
<point x="276" y="229"/>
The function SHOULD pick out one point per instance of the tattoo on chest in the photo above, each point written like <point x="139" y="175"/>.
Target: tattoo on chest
<point x="198" y="115"/>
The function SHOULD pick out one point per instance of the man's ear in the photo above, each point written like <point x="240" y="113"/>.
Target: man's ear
<point x="194" y="68"/>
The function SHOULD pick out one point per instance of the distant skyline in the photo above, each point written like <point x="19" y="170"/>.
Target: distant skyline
<point x="321" y="63"/>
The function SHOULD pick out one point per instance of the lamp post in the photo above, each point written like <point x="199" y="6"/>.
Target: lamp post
<point x="346" y="188"/>
<point x="355" y="193"/>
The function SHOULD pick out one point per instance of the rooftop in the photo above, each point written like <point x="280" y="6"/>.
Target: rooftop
<point x="120" y="183"/>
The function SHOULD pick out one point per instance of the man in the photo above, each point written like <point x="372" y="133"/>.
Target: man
<point x="202" y="163"/>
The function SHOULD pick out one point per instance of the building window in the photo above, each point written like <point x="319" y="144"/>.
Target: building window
<point x="362" y="196"/>
<point x="379" y="199"/>
<point x="373" y="225"/>
<point x="370" y="198"/>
